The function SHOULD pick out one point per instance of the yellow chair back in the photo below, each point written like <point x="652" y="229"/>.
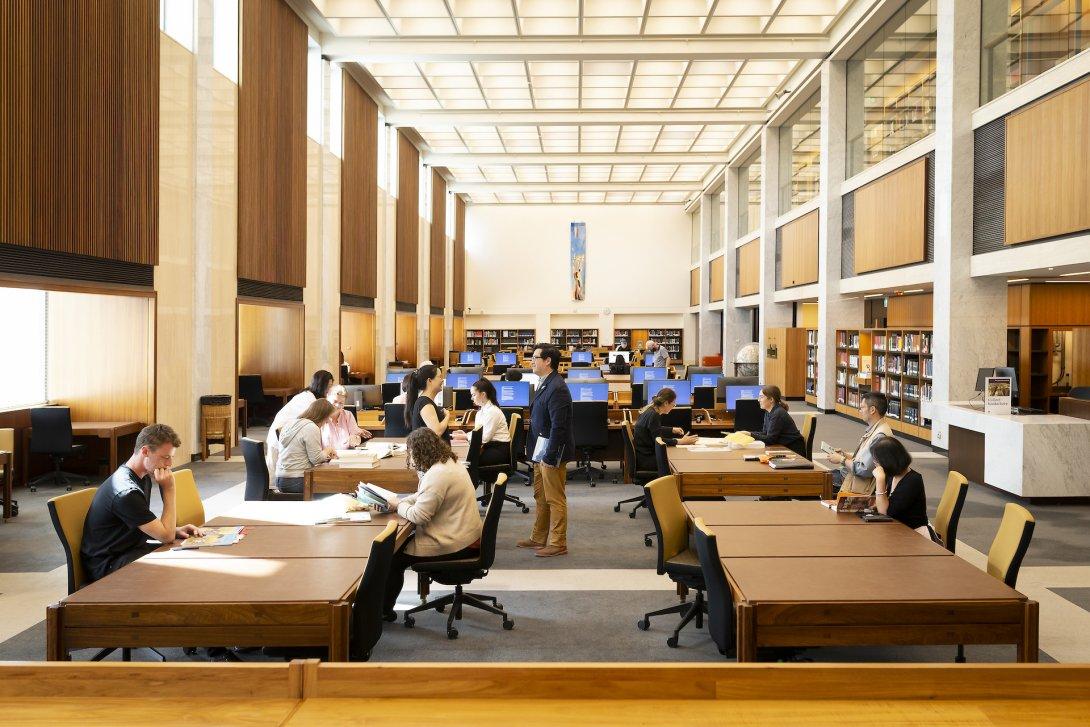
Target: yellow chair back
<point x="68" y="513"/>
<point x="188" y="506"/>
<point x="809" y="424"/>
<point x="948" y="511"/>
<point x="1011" y="543"/>
<point x="670" y="515"/>
<point x="514" y="426"/>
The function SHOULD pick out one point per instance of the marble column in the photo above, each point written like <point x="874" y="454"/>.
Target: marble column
<point x="773" y="315"/>
<point x="708" y="328"/>
<point x="737" y="323"/>
<point x="385" y="305"/>
<point x="970" y="320"/>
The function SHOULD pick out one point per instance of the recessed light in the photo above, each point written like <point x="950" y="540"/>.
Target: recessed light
<point x="1017" y="280"/>
<point x="1068" y="275"/>
<point x="914" y="290"/>
<point x="874" y="295"/>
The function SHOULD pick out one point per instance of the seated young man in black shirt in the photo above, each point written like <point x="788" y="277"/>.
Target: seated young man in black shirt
<point x="120" y="521"/>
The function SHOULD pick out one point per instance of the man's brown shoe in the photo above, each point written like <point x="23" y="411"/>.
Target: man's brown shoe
<point x="551" y="550"/>
<point x="529" y="544"/>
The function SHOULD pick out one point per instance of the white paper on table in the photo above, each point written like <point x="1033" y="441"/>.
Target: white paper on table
<point x="712" y="442"/>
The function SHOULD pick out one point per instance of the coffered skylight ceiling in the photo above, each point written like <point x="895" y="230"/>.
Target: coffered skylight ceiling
<point x="614" y="101"/>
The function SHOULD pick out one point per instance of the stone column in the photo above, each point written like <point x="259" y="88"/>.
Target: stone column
<point x="707" y="322"/>
<point x="773" y="315"/>
<point x="737" y="323"/>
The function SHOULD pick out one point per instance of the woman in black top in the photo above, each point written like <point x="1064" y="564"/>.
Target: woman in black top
<point x="898" y="489"/>
<point x="420" y="408"/>
<point x="779" y="427"/>
<point x="649" y="425"/>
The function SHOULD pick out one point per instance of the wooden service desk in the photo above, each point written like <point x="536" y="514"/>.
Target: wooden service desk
<point x="719" y="471"/>
<point x="390" y="472"/>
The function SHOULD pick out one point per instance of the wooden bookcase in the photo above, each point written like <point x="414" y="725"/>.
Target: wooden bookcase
<point x="579" y="337"/>
<point x="491" y="340"/>
<point x="632" y="338"/>
<point x="811" y="366"/>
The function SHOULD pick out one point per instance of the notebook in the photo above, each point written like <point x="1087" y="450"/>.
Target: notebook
<point x="791" y="464"/>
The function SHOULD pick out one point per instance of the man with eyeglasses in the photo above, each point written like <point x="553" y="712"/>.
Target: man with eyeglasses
<point x="120" y="521"/>
<point x="549" y="445"/>
<point x="856" y="471"/>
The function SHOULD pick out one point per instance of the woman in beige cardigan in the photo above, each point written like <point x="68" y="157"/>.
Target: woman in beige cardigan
<point x="443" y="508"/>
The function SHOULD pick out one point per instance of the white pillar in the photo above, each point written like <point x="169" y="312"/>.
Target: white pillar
<point x="773" y="315"/>
<point x="970" y="319"/>
<point x="707" y="323"/>
<point x="737" y="323"/>
<point x="385" y="305"/>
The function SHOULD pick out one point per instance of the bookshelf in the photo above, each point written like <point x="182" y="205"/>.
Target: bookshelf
<point x="811" y="366"/>
<point x="1029" y="352"/>
<point x="630" y="338"/>
<point x="564" y="337"/>
<point x="491" y="340"/>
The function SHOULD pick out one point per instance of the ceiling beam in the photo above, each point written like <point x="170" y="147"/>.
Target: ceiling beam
<point x="614" y="158"/>
<point x="471" y="187"/>
<point x="649" y="48"/>
<point x="574" y="117"/>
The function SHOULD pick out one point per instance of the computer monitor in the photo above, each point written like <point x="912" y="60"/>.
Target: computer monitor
<point x="734" y="393"/>
<point x="704" y="397"/>
<point x="638" y="399"/>
<point x="470" y="358"/>
<point x="581" y="391"/>
<point x="581" y="374"/>
<point x="623" y="355"/>
<point x="513" y="393"/>
<point x="396" y="377"/>
<point x="679" y="416"/>
<point x="506" y="358"/>
<point x="681" y="387"/>
<point x="462" y="399"/>
<point x="583" y="357"/>
<point x="390" y="392"/>
<point x="1003" y="371"/>
<point x="711" y="380"/>
<point x="648" y="359"/>
<point x="641" y="374"/>
<point x="461" y="381"/>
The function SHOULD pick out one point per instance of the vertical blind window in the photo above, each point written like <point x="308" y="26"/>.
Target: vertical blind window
<point x="800" y="156"/>
<point x="749" y="196"/>
<point x="23" y="377"/>
<point x="380" y="155"/>
<point x="178" y="19"/>
<point x="225" y="38"/>
<point x="314" y="92"/>
<point x="336" y="110"/>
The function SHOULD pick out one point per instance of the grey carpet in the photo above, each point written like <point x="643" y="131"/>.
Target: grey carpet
<point x="1078" y="596"/>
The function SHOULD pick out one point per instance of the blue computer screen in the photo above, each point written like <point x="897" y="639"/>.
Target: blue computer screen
<point x="470" y="358"/>
<point x="396" y="377"/>
<point x="704" y="379"/>
<point x="647" y="373"/>
<point x="582" y="357"/>
<point x="513" y="393"/>
<point x="648" y="359"/>
<point x="588" y="392"/>
<point x="461" y="381"/>
<point x="734" y="393"/>
<point x="577" y="374"/>
<point x="681" y="387"/>
<point x="506" y="358"/>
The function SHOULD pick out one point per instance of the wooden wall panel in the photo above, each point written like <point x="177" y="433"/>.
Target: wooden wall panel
<point x="270" y="343"/>
<point x="408" y="221"/>
<point x="1048" y="304"/>
<point x="438" y="241"/>
<point x="910" y="311"/>
<point x="358" y="339"/>
<point x="799" y="251"/>
<point x="102" y="356"/>
<point x="694" y="286"/>
<point x="890" y="219"/>
<point x="1048" y="167"/>
<point x="459" y="255"/>
<point x="749" y="268"/>
<point x="788" y="369"/>
<point x="405" y="337"/>
<point x="716" y="284"/>
<point x="436" y="336"/>
<point x="458" y="335"/>
<point x="272" y="152"/>
<point x="359" y="193"/>
<point x="79" y="127"/>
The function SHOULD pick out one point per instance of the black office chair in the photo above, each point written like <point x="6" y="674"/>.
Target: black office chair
<point x="51" y="435"/>
<point x="590" y="429"/>
<point x="461" y="572"/>
<point x="257" y="474"/>
<point x="251" y="389"/>
<point x="720" y="600"/>
<point x="390" y="392"/>
<point x="748" y="416"/>
<point x="499" y="369"/>
<point x="704" y="397"/>
<point x="637" y="476"/>
<point x="395" y="421"/>
<point x="486" y="475"/>
<point x="639" y="400"/>
<point x="518" y="441"/>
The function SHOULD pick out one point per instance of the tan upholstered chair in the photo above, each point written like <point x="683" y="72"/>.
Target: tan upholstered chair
<point x="1011" y="543"/>
<point x="189" y="509"/>
<point x="809" y="429"/>
<point x="948" y="513"/>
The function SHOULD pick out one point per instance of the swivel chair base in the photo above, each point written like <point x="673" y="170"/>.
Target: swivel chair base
<point x="456" y="601"/>
<point x="696" y="609"/>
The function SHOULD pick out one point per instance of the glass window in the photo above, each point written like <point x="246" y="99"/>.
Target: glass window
<point x="336" y="110"/>
<point x="891" y="87"/>
<point x="450" y="214"/>
<point x="716" y="202"/>
<point x="694" y="235"/>
<point x="800" y="156"/>
<point x="425" y="191"/>
<point x="178" y="19"/>
<point x="380" y="155"/>
<point x="749" y="197"/>
<point x="314" y="92"/>
<point x="1020" y="40"/>
<point x="225" y="38"/>
<point x="23" y="377"/>
<point x="392" y="142"/>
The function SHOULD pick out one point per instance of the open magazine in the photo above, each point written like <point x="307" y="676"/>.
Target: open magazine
<point x="213" y="538"/>
<point x="378" y="498"/>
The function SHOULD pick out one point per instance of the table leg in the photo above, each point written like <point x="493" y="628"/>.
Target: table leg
<point x="113" y="452"/>
<point x="54" y="634"/>
<point x="1028" y="645"/>
<point x="308" y="486"/>
<point x="746" y="638"/>
<point x="340" y="615"/>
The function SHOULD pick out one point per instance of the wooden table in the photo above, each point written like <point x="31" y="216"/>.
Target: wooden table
<point x="109" y="431"/>
<point x="716" y="472"/>
<point x="285" y="541"/>
<point x="756" y="512"/>
<point x="283" y="393"/>
<point x="262" y="513"/>
<point x="7" y="459"/>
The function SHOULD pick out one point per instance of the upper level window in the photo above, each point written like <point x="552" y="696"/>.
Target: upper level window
<point x="716" y="202"/>
<point x="694" y="235"/>
<point x="749" y="196"/>
<point x="23" y="377"/>
<point x="178" y="19"/>
<point x="225" y="38"/>
<point x="800" y="155"/>
<point x="314" y="91"/>
<point x="336" y="110"/>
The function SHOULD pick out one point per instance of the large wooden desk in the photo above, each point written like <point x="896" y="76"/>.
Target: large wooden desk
<point x="260" y="513"/>
<point x="756" y="512"/>
<point x="717" y="472"/>
<point x="7" y="459"/>
<point x="390" y="472"/>
<point x="109" y="431"/>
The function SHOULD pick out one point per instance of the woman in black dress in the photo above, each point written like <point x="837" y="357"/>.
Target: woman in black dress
<point x="649" y="425"/>
<point x="898" y="489"/>
<point x="779" y="428"/>
<point x="420" y="408"/>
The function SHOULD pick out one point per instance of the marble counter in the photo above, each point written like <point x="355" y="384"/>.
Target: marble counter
<point x="1034" y="455"/>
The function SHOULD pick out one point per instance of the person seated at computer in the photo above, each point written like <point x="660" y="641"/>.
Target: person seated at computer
<point x="320" y="383"/>
<point x="342" y="431"/>
<point x="898" y="489"/>
<point x="443" y="509"/>
<point x="301" y="446"/>
<point x="855" y="473"/>
<point x="420" y="408"/>
<point x="400" y="398"/>
<point x="779" y="428"/>
<point x="495" y="435"/>
<point x="510" y="375"/>
<point x="649" y="425"/>
<point x="120" y="521"/>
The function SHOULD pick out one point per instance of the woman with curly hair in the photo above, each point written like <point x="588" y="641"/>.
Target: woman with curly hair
<point x="443" y="508"/>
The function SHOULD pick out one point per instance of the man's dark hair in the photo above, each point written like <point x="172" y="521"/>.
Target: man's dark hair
<point x="878" y="400"/>
<point x="154" y="436"/>
<point x="550" y="353"/>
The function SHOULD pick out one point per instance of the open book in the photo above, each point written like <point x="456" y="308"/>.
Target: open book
<point x="213" y="537"/>
<point x="377" y="497"/>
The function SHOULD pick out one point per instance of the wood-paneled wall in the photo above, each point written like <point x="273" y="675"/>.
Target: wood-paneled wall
<point x="749" y="268"/>
<point x="694" y="286"/>
<point x="405" y="337"/>
<point x="459" y="284"/>
<point x="408" y="221"/>
<point x="910" y="311"/>
<point x="358" y="339"/>
<point x="436" y="335"/>
<point x="102" y="356"/>
<point x="1048" y="304"/>
<point x="458" y="335"/>
<point x="272" y="152"/>
<point x="1047" y="184"/>
<point x="787" y="369"/>
<point x="359" y="193"/>
<point x="270" y="343"/>
<point x="716" y="284"/>
<point x="438" y="241"/>
<point x="79" y="127"/>
<point x="890" y="219"/>
<point x="799" y="251"/>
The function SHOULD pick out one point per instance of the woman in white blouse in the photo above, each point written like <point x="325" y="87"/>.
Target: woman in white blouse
<point x="495" y="436"/>
<point x="320" y="384"/>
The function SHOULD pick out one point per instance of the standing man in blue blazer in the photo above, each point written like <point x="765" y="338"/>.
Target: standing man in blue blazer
<point x="549" y="446"/>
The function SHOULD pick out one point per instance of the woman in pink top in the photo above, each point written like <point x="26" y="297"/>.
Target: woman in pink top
<point x="342" y="431"/>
